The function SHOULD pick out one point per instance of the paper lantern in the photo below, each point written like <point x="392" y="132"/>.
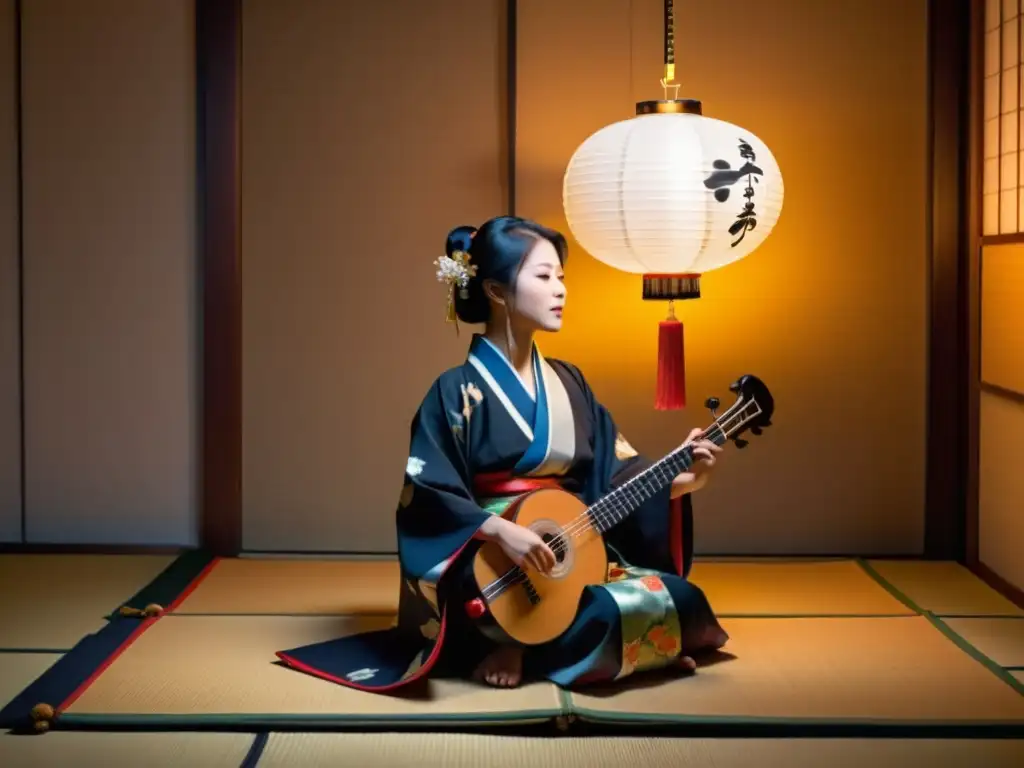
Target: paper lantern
<point x="671" y="194"/>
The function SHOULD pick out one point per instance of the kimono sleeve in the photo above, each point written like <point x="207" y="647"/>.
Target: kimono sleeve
<point x="437" y="514"/>
<point x="659" y="534"/>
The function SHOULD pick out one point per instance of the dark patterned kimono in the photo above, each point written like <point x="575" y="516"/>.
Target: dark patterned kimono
<point x="479" y="440"/>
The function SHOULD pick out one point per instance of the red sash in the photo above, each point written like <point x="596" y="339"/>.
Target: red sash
<point x="504" y="484"/>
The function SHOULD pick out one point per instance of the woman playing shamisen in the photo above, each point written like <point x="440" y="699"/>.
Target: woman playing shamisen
<point x="504" y="422"/>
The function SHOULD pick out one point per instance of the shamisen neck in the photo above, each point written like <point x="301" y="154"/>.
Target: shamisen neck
<point x="624" y="500"/>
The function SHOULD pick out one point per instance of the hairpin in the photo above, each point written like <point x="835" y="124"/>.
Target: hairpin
<point x="456" y="271"/>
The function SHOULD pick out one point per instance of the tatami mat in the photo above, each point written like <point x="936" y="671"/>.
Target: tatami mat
<point x="338" y="587"/>
<point x="814" y="642"/>
<point x="1002" y="640"/>
<point x="945" y="588"/>
<point x="454" y="750"/>
<point x="113" y="750"/>
<point x="839" y="587"/>
<point x="58" y="599"/>
<point x="311" y="587"/>
<point x="204" y="669"/>
<point x="17" y="670"/>
<point x="899" y="670"/>
<point x="209" y="668"/>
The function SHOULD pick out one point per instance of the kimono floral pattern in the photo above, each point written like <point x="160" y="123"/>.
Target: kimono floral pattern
<point x="428" y="592"/>
<point x="413" y="468"/>
<point x="471" y="398"/>
<point x="651" y="632"/>
<point x="623" y="450"/>
<point x="359" y="675"/>
<point x="407" y="492"/>
<point x="420" y="604"/>
<point x="417" y="662"/>
<point x="430" y="629"/>
<point x="417" y="609"/>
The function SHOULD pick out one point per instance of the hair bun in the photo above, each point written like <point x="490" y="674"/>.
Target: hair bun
<point x="459" y="239"/>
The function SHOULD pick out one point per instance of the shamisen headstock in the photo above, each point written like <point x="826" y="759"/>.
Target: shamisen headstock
<point x="751" y="412"/>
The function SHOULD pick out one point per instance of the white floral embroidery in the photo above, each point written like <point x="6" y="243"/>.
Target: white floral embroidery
<point x="361" y="674"/>
<point x="414" y="466"/>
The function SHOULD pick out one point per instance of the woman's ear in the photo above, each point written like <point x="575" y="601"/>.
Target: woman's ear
<point x="494" y="292"/>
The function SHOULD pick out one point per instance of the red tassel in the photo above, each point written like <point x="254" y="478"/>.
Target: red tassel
<point x="671" y="394"/>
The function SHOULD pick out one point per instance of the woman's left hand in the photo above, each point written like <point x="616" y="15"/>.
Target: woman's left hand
<point x="696" y="477"/>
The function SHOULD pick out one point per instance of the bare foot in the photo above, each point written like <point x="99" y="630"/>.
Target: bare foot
<point x="503" y="667"/>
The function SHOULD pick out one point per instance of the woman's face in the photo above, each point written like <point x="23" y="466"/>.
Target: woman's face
<point x="540" y="293"/>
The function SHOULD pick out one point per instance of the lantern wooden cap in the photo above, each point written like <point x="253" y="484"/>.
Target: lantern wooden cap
<point x="658" y="287"/>
<point x="670" y="106"/>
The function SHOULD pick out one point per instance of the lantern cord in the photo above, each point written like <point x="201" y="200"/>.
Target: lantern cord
<point x="670" y="51"/>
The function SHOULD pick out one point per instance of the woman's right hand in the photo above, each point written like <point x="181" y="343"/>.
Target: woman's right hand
<point x="523" y="546"/>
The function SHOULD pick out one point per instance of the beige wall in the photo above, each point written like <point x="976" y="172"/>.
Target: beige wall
<point x="830" y="311"/>
<point x="109" y="261"/>
<point x="1001" y="420"/>
<point x="10" y="419"/>
<point x="369" y="130"/>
